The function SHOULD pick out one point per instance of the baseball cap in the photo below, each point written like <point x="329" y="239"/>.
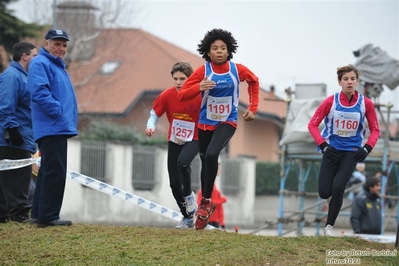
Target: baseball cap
<point x="57" y="34"/>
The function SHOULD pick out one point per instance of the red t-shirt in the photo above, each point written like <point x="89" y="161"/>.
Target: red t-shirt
<point x="168" y="103"/>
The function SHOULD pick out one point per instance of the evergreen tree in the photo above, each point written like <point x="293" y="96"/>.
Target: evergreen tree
<point x="13" y="30"/>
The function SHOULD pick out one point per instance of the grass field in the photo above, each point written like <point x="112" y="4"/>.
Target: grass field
<point x="83" y="244"/>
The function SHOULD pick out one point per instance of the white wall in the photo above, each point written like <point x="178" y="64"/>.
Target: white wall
<point x="83" y="204"/>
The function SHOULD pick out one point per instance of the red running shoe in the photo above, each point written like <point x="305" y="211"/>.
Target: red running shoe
<point x="201" y="223"/>
<point x="205" y="209"/>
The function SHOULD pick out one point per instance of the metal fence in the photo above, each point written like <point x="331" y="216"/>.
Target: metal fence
<point x="231" y="173"/>
<point x="93" y="160"/>
<point x="143" y="172"/>
<point x="94" y="163"/>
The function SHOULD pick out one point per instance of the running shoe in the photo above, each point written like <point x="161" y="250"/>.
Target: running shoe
<point x="201" y="223"/>
<point x="328" y="230"/>
<point x="205" y="209"/>
<point x="191" y="204"/>
<point x="185" y="222"/>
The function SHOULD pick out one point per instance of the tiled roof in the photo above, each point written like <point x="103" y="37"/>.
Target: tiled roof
<point x="145" y="64"/>
<point x="268" y="102"/>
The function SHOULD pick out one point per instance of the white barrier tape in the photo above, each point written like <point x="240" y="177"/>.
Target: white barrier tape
<point x="7" y="164"/>
<point x="139" y="201"/>
<point x="113" y="191"/>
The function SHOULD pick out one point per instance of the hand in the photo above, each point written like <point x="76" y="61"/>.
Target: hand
<point x="362" y="153"/>
<point x="206" y="84"/>
<point x="149" y="132"/>
<point x="248" y="115"/>
<point x="328" y="150"/>
<point x="15" y="136"/>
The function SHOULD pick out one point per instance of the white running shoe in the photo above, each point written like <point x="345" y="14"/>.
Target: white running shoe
<point x="328" y="230"/>
<point x="191" y="204"/>
<point x="185" y="223"/>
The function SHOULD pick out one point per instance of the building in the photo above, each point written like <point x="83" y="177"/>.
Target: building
<point x="130" y="67"/>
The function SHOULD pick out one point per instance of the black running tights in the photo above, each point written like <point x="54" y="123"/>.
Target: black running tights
<point x="335" y="171"/>
<point x="179" y="168"/>
<point x="211" y="144"/>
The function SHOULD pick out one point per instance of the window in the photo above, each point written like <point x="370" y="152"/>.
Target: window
<point x="143" y="167"/>
<point x="109" y="67"/>
<point x="231" y="171"/>
<point x="196" y="174"/>
<point x="94" y="159"/>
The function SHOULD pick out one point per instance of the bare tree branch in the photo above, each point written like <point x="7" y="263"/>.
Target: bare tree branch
<point x="83" y="20"/>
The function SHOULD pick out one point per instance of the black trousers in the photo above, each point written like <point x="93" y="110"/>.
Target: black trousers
<point x="14" y="184"/>
<point x="50" y="183"/>
<point x="179" y="168"/>
<point x="335" y="171"/>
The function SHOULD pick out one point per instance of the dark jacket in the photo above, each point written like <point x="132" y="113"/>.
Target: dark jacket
<point x="366" y="214"/>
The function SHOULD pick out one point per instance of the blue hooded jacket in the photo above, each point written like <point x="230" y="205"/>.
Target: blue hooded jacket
<point x="15" y="106"/>
<point x="53" y="100"/>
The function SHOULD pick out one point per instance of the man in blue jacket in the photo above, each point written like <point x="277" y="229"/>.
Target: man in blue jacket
<point x="54" y="119"/>
<point x="16" y="137"/>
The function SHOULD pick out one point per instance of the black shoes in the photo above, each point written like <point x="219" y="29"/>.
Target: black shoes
<point x="22" y="217"/>
<point x="58" y="222"/>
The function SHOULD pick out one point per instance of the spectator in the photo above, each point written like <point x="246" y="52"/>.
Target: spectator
<point x="358" y="177"/>
<point x="16" y="137"/>
<point x="54" y="118"/>
<point x="366" y="209"/>
<point x="390" y="203"/>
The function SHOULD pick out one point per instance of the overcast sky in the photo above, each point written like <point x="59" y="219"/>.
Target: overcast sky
<point x="282" y="42"/>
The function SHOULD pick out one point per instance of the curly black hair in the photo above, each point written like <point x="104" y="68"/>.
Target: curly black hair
<point x="213" y="35"/>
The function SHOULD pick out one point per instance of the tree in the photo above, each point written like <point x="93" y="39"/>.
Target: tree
<point x="83" y="20"/>
<point x="13" y="30"/>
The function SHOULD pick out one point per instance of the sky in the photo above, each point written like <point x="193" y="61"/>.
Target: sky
<point x="282" y="42"/>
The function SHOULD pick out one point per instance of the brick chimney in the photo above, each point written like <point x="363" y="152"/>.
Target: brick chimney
<point x="78" y="19"/>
